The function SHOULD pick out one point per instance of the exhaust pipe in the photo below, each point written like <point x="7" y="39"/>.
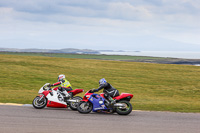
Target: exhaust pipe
<point x="120" y="105"/>
<point x="72" y="100"/>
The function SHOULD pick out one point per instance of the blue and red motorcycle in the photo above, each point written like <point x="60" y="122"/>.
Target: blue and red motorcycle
<point x="98" y="103"/>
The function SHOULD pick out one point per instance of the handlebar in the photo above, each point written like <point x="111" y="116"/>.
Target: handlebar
<point x="90" y="91"/>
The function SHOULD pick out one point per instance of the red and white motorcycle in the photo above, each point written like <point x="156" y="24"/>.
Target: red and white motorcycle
<point x="49" y="97"/>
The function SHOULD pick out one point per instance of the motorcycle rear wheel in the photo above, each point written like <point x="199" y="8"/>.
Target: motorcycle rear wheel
<point x="73" y="105"/>
<point x="39" y="104"/>
<point x="124" y="111"/>
<point x="84" y="107"/>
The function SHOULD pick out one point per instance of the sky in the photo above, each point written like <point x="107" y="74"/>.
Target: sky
<point x="145" y="25"/>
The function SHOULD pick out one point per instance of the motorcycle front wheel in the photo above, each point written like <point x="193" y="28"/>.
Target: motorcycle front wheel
<point x="84" y="107"/>
<point x="124" y="110"/>
<point x="39" y="104"/>
<point x="73" y="105"/>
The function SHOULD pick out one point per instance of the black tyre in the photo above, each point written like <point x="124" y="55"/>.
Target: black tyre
<point x="84" y="107"/>
<point x="73" y="105"/>
<point x="125" y="110"/>
<point x="39" y="104"/>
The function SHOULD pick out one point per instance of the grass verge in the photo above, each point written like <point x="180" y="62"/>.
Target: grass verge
<point x="160" y="87"/>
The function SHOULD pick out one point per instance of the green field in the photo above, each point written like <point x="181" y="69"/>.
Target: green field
<point x="86" y="56"/>
<point x="161" y="87"/>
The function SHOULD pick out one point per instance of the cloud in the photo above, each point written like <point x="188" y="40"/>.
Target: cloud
<point x="85" y="23"/>
<point x="132" y="10"/>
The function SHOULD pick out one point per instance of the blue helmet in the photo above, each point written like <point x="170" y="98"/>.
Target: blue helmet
<point x="102" y="81"/>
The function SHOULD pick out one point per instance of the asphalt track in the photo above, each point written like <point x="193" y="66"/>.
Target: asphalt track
<point x="26" y="119"/>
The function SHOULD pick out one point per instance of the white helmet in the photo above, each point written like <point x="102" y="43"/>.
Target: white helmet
<point x="61" y="77"/>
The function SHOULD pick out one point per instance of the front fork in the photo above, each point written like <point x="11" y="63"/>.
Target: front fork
<point x="41" y="99"/>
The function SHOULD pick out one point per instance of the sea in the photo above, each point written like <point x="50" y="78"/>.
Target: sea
<point x="166" y="54"/>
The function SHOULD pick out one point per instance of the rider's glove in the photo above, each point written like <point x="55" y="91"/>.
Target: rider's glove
<point x="49" y="85"/>
<point x="94" y="90"/>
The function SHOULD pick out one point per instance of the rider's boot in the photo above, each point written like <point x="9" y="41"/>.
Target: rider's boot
<point x="107" y="103"/>
<point x="112" y="101"/>
<point x="65" y="99"/>
<point x="66" y="95"/>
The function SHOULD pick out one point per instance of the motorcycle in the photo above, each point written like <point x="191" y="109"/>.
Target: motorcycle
<point x="98" y="103"/>
<point x="49" y="97"/>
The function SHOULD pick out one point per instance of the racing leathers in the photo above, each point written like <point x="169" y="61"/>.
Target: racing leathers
<point x="64" y="86"/>
<point x="109" y="91"/>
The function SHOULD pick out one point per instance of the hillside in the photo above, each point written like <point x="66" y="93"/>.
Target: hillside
<point x="162" y="87"/>
<point x="146" y="59"/>
<point x="66" y="50"/>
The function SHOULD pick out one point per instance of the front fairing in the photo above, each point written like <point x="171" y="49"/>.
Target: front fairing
<point x="86" y="96"/>
<point x="98" y="102"/>
<point x="44" y="88"/>
<point x="41" y="90"/>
